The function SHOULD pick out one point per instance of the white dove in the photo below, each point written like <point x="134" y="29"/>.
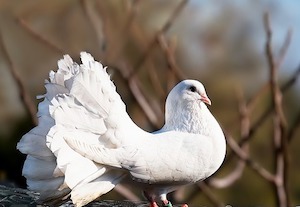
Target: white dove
<point x="86" y="143"/>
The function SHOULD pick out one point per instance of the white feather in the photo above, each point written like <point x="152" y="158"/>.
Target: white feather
<point x="78" y="104"/>
<point x="35" y="168"/>
<point x="88" y="191"/>
<point x="86" y="142"/>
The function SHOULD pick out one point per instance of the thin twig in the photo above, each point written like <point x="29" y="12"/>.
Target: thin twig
<point x="284" y="48"/>
<point x="135" y="89"/>
<point x="287" y="85"/>
<point x="155" y="81"/>
<point x="131" y="13"/>
<point x="251" y="102"/>
<point x="251" y="163"/>
<point x="292" y="80"/>
<point x="273" y="66"/>
<point x="279" y="123"/>
<point x="230" y="179"/>
<point x="164" y="29"/>
<point x="237" y="172"/>
<point x="170" y="57"/>
<point x="96" y="22"/>
<point x="23" y="92"/>
<point x="153" y="73"/>
<point x="142" y="101"/>
<point x="39" y="37"/>
<point x="211" y="196"/>
<point x="129" y="30"/>
<point x="126" y="193"/>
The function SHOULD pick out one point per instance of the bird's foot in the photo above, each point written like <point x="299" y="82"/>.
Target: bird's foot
<point x="167" y="203"/>
<point x="153" y="204"/>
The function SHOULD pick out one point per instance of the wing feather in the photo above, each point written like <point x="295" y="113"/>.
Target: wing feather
<point x="81" y="102"/>
<point x="87" y="112"/>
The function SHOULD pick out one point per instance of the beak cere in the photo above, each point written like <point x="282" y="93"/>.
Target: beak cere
<point x="205" y="99"/>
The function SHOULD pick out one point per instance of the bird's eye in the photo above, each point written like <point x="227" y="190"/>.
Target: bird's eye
<point x="192" y="88"/>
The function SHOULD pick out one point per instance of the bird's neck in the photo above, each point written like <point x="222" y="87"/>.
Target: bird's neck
<point x="194" y="118"/>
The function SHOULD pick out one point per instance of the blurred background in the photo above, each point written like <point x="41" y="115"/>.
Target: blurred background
<point x="148" y="47"/>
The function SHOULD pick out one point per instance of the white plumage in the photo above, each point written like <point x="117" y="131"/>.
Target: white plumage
<point x="86" y="143"/>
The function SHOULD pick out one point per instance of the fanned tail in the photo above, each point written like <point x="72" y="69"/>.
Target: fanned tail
<point x="78" y="103"/>
<point x="40" y="170"/>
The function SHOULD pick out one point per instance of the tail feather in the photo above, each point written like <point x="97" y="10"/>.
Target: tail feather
<point x="38" y="169"/>
<point x="45" y="186"/>
<point x="81" y="101"/>
<point x="74" y="166"/>
<point x="83" y="194"/>
<point x="40" y="165"/>
<point x="35" y="146"/>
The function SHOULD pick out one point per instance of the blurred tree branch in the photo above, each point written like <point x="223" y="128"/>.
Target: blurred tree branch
<point x="164" y="29"/>
<point x="280" y="134"/>
<point x="169" y="50"/>
<point x="242" y="152"/>
<point x="279" y="123"/>
<point x="23" y="92"/>
<point x="38" y="36"/>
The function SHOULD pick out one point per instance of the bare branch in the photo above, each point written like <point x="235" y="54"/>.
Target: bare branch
<point x="135" y="88"/>
<point x="142" y="101"/>
<point x="156" y="83"/>
<point x="131" y="13"/>
<point x="164" y="29"/>
<point x="251" y="163"/>
<point x="291" y="81"/>
<point x="251" y="102"/>
<point x="230" y="179"/>
<point x="170" y="57"/>
<point x="288" y="84"/>
<point x="211" y="196"/>
<point x="284" y="48"/>
<point x="23" y="93"/>
<point x="39" y="37"/>
<point x="126" y="193"/>
<point x="244" y="128"/>
<point x="276" y="93"/>
<point x="204" y="188"/>
<point x="95" y="21"/>
<point x="279" y="124"/>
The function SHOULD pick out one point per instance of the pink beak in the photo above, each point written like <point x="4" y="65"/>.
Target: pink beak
<point x="205" y="99"/>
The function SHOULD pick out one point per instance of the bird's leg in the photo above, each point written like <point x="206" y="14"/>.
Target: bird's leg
<point x="153" y="204"/>
<point x="150" y="199"/>
<point x="163" y="198"/>
<point x="167" y="203"/>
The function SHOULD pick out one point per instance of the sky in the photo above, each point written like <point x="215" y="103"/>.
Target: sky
<point x="289" y="16"/>
<point x="284" y="15"/>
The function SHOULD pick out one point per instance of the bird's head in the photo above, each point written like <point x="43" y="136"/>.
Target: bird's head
<point x="188" y="92"/>
<point x="186" y="104"/>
